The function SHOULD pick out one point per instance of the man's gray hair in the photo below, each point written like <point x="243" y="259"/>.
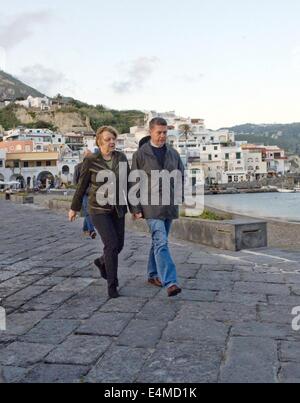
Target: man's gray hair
<point x="157" y="122"/>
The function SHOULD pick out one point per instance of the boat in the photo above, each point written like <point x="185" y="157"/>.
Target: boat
<point x="286" y="190"/>
<point x="297" y="188"/>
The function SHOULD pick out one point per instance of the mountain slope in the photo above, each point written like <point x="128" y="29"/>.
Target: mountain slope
<point x="12" y="88"/>
<point x="286" y="136"/>
<point x="74" y="115"/>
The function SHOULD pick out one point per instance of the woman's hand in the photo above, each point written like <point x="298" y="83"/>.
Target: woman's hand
<point x="137" y="216"/>
<point x="72" y="215"/>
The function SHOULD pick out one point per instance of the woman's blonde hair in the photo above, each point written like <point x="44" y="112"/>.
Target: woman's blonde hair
<point x="103" y="129"/>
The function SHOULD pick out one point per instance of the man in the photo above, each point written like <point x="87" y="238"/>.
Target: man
<point x="144" y="140"/>
<point x="88" y="227"/>
<point x="156" y="155"/>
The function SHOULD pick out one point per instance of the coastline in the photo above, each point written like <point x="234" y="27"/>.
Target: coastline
<point x="281" y="234"/>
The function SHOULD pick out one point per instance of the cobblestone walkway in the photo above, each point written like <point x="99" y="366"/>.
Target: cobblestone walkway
<point x="232" y="323"/>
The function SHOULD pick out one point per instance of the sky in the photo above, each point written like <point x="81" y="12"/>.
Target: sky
<point x="228" y="62"/>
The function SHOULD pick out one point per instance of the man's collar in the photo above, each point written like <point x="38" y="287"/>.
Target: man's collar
<point x="155" y="146"/>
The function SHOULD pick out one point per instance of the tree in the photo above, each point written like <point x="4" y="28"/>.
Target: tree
<point x="185" y="130"/>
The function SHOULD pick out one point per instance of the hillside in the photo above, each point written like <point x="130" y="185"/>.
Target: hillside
<point x="12" y="88"/>
<point x="286" y="136"/>
<point x="76" y="117"/>
<point x="72" y="116"/>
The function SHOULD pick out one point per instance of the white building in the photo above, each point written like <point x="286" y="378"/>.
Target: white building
<point x="276" y="161"/>
<point x="255" y="167"/>
<point x="3" y="173"/>
<point x="44" y="140"/>
<point x="29" y="168"/>
<point x="35" y="102"/>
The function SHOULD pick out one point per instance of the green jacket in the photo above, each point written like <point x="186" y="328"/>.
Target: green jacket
<point x="91" y="166"/>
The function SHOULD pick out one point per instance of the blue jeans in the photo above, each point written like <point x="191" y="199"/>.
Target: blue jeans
<point x="87" y="224"/>
<point x="160" y="263"/>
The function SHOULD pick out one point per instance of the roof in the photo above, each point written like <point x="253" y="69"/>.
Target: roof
<point x="74" y="135"/>
<point x="35" y="156"/>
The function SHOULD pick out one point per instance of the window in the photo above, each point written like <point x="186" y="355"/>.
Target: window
<point x="216" y="156"/>
<point x="257" y="168"/>
<point x="227" y="156"/>
<point x="1" y="163"/>
<point x="39" y="164"/>
<point x="212" y="138"/>
<point x="48" y="163"/>
<point x="238" y="156"/>
<point x="209" y="157"/>
<point x="65" y="170"/>
<point x="215" y="148"/>
<point x="236" y="178"/>
<point x="16" y="164"/>
<point x="239" y="162"/>
<point x="26" y="164"/>
<point x="204" y="148"/>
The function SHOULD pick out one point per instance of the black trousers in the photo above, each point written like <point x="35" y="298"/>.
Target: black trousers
<point x="111" y="229"/>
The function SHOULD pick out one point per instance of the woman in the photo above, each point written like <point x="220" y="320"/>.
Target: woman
<point x="107" y="217"/>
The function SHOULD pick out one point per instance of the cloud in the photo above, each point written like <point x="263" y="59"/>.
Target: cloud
<point x="46" y="80"/>
<point x="190" y="78"/>
<point x="136" y="74"/>
<point x="21" y="27"/>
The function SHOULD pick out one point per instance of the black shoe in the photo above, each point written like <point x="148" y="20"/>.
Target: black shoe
<point x="93" y="234"/>
<point x="101" y="267"/>
<point x="113" y="292"/>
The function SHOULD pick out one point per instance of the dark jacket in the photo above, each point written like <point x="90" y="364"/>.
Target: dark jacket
<point x="91" y="166"/>
<point x="77" y="171"/>
<point x="145" y="160"/>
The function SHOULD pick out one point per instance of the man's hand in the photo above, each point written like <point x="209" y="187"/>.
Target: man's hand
<point x="72" y="215"/>
<point x="137" y="216"/>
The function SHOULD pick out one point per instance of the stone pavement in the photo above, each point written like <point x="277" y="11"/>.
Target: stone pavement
<point x="232" y="323"/>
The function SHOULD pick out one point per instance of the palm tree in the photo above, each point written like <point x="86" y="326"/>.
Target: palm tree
<point x="185" y="129"/>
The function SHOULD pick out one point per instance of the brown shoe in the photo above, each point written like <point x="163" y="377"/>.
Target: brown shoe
<point x="173" y="291"/>
<point x="155" y="281"/>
